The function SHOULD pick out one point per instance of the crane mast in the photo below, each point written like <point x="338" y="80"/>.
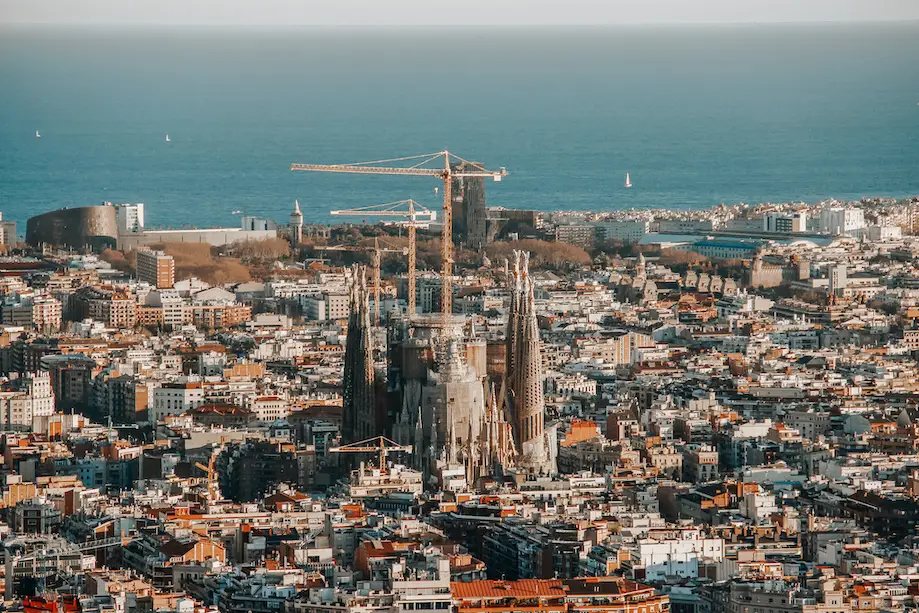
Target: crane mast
<point x="419" y="167"/>
<point x="412" y="254"/>
<point x="377" y="263"/>
<point x="393" y="209"/>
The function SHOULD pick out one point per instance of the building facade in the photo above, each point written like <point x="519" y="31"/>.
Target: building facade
<point x="156" y="268"/>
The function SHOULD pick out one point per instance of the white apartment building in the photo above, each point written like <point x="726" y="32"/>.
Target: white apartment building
<point x="685" y="226"/>
<point x="7" y="231"/>
<point x="841" y="220"/>
<point x="269" y="408"/>
<point x="628" y="231"/>
<point x="880" y="234"/>
<point x="674" y="553"/>
<point x="176" y="398"/>
<point x="758" y="506"/>
<point x="572" y="385"/>
<point x="175" y="312"/>
<point x="325" y="306"/>
<point x="29" y="397"/>
<point x="129" y="218"/>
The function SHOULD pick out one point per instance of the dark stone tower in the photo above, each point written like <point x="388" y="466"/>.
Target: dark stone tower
<point x="536" y="445"/>
<point x="469" y="217"/>
<point x="358" y="406"/>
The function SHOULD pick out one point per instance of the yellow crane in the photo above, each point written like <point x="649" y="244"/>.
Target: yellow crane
<point x="428" y="165"/>
<point x="401" y="208"/>
<point x="377" y="264"/>
<point x="379" y="444"/>
<point x="211" y="474"/>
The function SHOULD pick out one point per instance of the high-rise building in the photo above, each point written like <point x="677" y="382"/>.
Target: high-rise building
<point x="156" y="268"/>
<point x="7" y="231"/>
<point x="838" y="278"/>
<point x="71" y="379"/>
<point x="358" y="403"/>
<point x="537" y="445"/>
<point x="469" y="218"/>
<point x="129" y="218"/>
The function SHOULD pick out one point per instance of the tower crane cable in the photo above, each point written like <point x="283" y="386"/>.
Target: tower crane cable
<point x="391" y="209"/>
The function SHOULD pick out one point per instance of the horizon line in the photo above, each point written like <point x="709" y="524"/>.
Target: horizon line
<point x="460" y="26"/>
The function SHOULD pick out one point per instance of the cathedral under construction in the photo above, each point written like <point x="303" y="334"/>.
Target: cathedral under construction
<point x="471" y="407"/>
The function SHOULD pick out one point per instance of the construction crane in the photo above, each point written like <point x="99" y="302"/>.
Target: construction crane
<point x="377" y="264"/>
<point x="454" y="167"/>
<point x="378" y="444"/>
<point x="211" y="474"/>
<point x="401" y="208"/>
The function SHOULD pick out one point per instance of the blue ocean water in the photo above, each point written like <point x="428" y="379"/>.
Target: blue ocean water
<point x="698" y="115"/>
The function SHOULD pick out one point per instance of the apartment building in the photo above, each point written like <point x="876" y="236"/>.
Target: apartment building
<point x="156" y="268"/>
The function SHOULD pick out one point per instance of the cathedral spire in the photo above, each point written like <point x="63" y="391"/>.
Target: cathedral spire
<point x="419" y="442"/>
<point x="358" y="382"/>
<point x="524" y="373"/>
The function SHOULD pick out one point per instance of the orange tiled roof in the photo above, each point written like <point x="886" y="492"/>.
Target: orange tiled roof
<point x="524" y="588"/>
<point x="595" y="586"/>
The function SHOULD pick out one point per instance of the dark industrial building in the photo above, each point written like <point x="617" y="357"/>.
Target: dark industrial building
<point x="469" y="217"/>
<point x="94" y="226"/>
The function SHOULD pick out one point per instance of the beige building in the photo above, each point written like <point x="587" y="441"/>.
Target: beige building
<point x="782" y="597"/>
<point x="269" y="408"/>
<point x="156" y="268"/>
<point x="40" y="312"/>
<point x="667" y="459"/>
<point x="615" y="349"/>
<point x="700" y="464"/>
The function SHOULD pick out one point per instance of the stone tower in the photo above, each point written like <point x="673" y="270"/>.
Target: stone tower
<point x="296" y="226"/>
<point x="470" y="216"/>
<point x="358" y="403"/>
<point x="536" y="445"/>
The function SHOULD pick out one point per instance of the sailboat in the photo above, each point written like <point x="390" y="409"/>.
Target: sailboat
<point x="628" y="181"/>
<point x="37" y="134"/>
<point x="167" y="138"/>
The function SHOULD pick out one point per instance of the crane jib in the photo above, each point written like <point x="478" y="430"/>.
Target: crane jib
<point x="424" y="172"/>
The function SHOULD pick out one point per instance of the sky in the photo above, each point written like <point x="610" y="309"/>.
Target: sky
<point x="450" y="12"/>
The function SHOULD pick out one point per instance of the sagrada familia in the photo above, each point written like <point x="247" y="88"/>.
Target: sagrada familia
<point x="469" y="407"/>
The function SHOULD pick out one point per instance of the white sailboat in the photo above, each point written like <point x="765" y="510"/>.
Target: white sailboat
<point x="37" y="134"/>
<point x="628" y="181"/>
<point x="167" y="138"/>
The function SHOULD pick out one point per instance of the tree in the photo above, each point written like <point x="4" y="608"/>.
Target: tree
<point x="197" y="260"/>
<point x="267" y="249"/>
<point x="117" y="260"/>
<point x="673" y="257"/>
<point x="554" y="255"/>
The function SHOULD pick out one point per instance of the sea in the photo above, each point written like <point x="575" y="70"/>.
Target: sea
<point x="697" y="115"/>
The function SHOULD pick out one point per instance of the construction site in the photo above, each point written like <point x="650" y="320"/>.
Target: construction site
<point x="465" y="403"/>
